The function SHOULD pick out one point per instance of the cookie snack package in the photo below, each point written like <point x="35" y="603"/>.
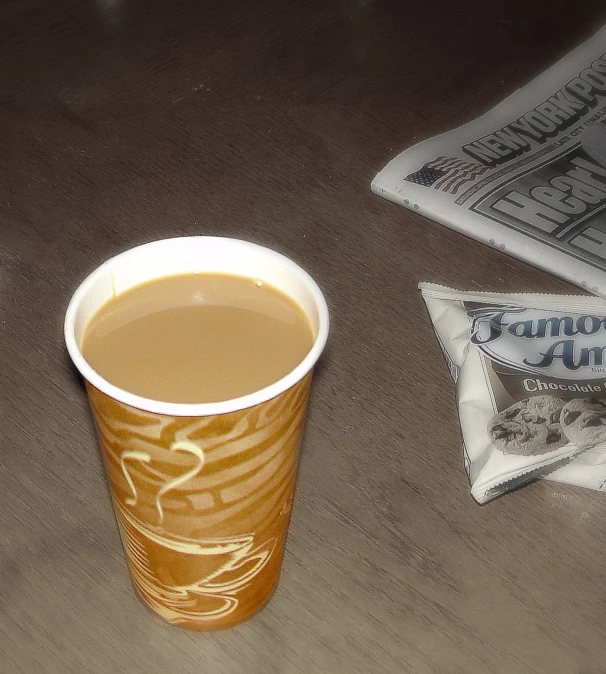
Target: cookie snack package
<point x="530" y="376"/>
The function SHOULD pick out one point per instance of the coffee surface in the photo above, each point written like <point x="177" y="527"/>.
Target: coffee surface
<point x="197" y="338"/>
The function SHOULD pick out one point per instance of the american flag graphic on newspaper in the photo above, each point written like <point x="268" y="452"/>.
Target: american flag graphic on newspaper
<point x="446" y="174"/>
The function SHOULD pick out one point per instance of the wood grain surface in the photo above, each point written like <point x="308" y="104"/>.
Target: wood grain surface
<point x="124" y="121"/>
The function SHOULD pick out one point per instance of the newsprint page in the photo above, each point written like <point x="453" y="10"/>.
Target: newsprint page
<point x="528" y="177"/>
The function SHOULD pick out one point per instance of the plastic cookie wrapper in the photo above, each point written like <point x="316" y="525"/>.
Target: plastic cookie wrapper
<point x="530" y="377"/>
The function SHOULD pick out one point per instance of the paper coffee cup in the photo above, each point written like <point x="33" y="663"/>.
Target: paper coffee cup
<point x="202" y="492"/>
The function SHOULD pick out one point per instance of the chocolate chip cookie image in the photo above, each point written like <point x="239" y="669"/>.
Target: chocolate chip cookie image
<point x="529" y="426"/>
<point x="583" y="422"/>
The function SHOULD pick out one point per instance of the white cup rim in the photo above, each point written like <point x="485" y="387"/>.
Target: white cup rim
<point x="195" y="409"/>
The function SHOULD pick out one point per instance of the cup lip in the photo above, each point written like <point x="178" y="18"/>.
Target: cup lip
<point x="195" y="409"/>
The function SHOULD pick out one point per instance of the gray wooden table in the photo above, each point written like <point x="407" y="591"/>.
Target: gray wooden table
<point x="123" y="121"/>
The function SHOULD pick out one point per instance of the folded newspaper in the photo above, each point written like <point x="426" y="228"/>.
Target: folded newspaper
<point x="530" y="375"/>
<point x="528" y="177"/>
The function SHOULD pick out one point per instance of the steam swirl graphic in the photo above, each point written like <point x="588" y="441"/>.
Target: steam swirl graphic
<point x="203" y="504"/>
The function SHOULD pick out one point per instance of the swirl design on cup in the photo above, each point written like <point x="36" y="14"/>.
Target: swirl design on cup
<point x="203" y="503"/>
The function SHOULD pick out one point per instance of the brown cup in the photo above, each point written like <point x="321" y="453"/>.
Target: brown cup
<point x="202" y="493"/>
